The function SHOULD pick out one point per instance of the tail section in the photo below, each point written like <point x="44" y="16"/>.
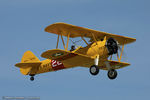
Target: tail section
<point x="29" y="57"/>
<point x="28" y="61"/>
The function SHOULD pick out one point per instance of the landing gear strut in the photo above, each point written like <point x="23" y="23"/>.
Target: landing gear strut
<point x="94" y="70"/>
<point x="32" y="77"/>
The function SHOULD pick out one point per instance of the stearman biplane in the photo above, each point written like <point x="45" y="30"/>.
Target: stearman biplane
<point x="97" y="55"/>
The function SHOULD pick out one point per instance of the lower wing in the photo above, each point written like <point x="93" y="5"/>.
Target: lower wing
<point x="69" y="58"/>
<point x="74" y="59"/>
<point x="115" y="65"/>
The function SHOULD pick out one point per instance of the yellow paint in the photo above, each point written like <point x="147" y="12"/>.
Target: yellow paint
<point x="67" y="41"/>
<point x="63" y="41"/>
<point x="76" y="31"/>
<point x="121" y="53"/>
<point x="57" y="42"/>
<point x="82" y="56"/>
<point x="32" y="66"/>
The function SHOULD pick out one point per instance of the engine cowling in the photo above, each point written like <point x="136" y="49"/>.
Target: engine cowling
<point x="112" y="46"/>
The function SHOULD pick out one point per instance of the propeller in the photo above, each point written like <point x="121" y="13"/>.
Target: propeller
<point x="112" y="46"/>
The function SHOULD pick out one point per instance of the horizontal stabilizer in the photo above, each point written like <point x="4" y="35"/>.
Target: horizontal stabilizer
<point x="25" y="65"/>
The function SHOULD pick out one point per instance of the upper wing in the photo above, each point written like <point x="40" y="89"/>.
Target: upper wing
<point x="76" y="31"/>
<point x="66" y="57"/>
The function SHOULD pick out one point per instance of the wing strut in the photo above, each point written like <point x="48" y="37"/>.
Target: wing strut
<point x="119" y="55"/>
<point x="94" y="38"/>
<point x="57" y="41"/>
<point x="84" y="40"/>
<point x="121" y="52"/>
<point x="63" y="41"/>
<point x="65" y="46"/>
<point x="67" y="41"/>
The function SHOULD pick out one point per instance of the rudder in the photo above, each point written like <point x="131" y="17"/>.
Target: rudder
<point x="29" y="57"/>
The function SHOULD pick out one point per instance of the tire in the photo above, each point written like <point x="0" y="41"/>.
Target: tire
<point x="112" y="74"/>
<point x="32" y="78"/>
<point x="94" y="70"/>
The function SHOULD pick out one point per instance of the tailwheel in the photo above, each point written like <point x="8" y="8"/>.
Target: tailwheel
<point x="32" y="78"/>
<point x="112" y="74"/>
<point x="94" y="70"/>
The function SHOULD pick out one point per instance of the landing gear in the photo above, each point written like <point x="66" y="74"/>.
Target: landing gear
<point x="94" y="70"/>
<point x="32" y="77"/>
<point x="112" y="74"/>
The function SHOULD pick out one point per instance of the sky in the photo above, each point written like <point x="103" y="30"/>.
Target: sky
<point x="22" y="24"/>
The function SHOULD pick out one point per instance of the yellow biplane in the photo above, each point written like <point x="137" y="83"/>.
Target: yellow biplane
<point x="95" y="56"/>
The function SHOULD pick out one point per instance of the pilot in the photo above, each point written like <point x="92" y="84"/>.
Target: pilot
<point x="72" y="48"/>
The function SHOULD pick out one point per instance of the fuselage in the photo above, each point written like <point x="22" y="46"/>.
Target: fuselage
<point x="48" y="65"/>
<point x="92" y="50"/>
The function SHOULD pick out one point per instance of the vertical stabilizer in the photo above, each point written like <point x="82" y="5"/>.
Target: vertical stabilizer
<point x="29" y="57"/>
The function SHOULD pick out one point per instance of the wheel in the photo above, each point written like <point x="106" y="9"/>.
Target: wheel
<point x="112" y="74"/>
<point x="94" y="70"/>
<point x="32" y="78"/>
